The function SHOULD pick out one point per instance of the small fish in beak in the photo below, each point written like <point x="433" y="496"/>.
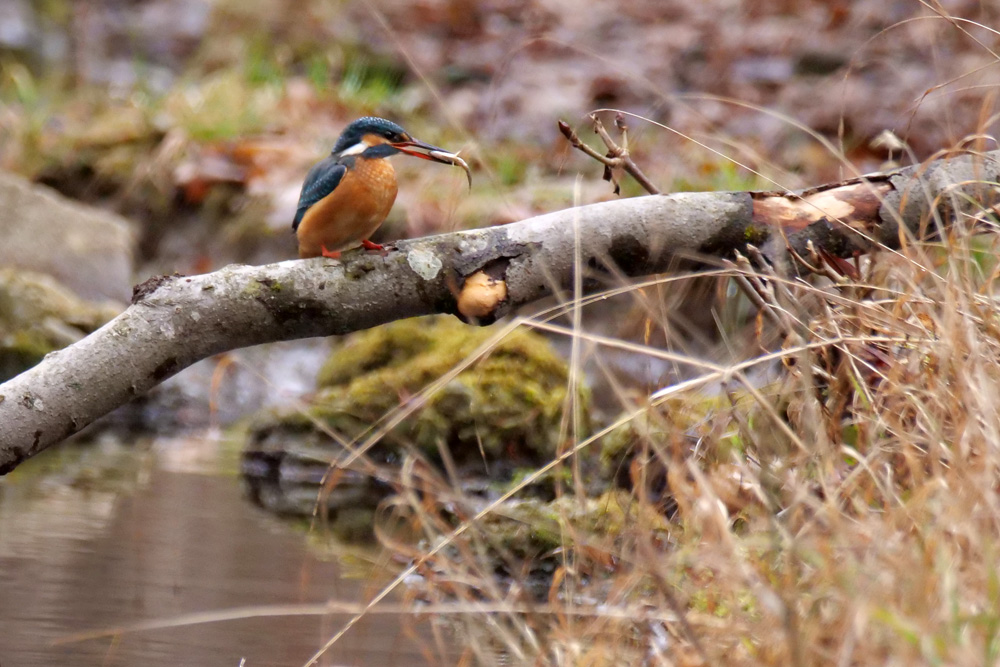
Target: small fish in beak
<point x="434" y="154"/>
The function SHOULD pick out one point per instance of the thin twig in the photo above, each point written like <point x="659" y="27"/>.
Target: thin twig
<point x="577" y="143"/>
<point x="618" y="156"/>
<point x="741" y="267"/>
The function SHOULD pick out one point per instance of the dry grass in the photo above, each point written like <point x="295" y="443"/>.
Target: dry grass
<point x="828" y="494"/>
<point x="825" y="495"/>
<point x="839" y="508"/>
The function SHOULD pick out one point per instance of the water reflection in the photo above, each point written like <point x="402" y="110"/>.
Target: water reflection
<point x="78" y="555"/>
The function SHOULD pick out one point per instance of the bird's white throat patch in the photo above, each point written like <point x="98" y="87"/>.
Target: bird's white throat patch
<point x="356" y="149"/>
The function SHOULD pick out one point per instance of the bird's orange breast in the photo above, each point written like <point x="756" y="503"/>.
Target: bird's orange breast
<point x="352" y="212"/>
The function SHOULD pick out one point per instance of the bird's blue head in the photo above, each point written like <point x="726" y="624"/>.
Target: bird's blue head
<point x="373" y="138"/>
<point x="355" y="133"/>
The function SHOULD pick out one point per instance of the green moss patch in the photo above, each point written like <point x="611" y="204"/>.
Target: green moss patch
<point x="508" y="401"/>
<point x="38" y="316"/>
<point x="495" y="406"/>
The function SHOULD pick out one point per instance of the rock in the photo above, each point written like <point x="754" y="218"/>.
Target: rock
<point x="17" y="25"/>
<point x="38" y="316"/>
<point x="499" y="415"/>
<point x="86" y="249"/>
<point x="528" y="539"/>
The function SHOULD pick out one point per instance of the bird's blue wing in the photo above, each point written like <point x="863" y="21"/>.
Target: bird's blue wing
<point x="320" y="181"/>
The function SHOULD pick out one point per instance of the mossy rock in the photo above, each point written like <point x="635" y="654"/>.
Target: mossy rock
<point x="508" y="402"/>
<point x="640" y="455"/>
<point x="505" y="406"/>
<point x="533" y="529"/>
<point x="38" y="315"/>
<point x="678" y="423"/>
<point x="528" y="540"/>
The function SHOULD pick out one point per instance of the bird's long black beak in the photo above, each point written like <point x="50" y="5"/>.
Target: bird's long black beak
<point x="434" y="154"/>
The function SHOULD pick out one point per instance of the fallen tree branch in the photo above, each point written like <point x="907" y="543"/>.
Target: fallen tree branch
<point x="479" y="275"/>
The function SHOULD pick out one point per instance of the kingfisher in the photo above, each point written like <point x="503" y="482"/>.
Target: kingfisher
<point x="347" y="195"/>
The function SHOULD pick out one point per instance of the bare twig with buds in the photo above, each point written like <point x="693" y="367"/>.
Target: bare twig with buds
<point x="617" y="157"/>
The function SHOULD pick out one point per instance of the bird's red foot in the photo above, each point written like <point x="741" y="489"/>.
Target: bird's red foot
<point x="332" y="254"/>
<point x="368" y="245"/>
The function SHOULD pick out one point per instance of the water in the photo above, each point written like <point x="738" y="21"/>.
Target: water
<point x="107" y="537"/>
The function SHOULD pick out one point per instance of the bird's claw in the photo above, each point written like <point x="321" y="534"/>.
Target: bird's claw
<point x="368" y="245"/>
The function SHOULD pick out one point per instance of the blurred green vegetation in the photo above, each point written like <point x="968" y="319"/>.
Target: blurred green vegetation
<point x="369" y="82"/>
<point x="267" y="70"/>
<point x="719" y="176"/>
<point x="38" y="316"/>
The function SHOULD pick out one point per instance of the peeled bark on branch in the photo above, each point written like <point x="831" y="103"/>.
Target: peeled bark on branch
<point x="479" y="275"/>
